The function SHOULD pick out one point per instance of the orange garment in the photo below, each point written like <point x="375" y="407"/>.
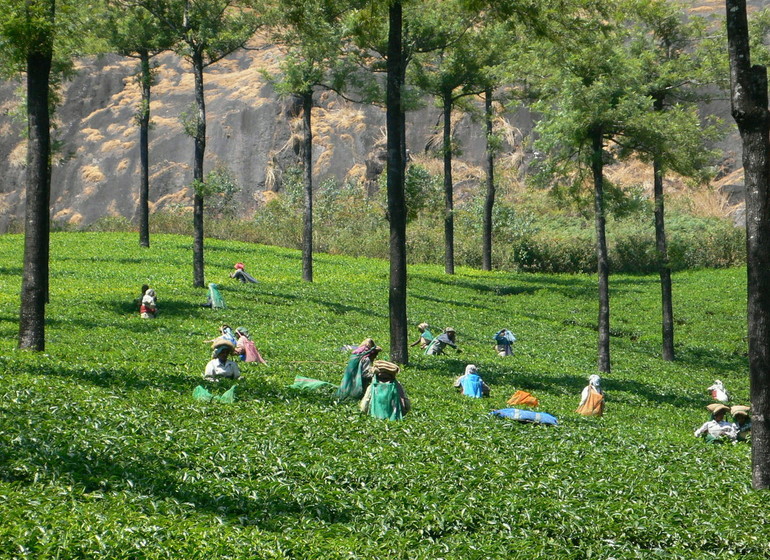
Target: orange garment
<point x="594" y="405"/>
<point x="523" y="398"/>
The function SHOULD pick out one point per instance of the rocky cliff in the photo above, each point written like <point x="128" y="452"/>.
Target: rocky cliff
<point x="250" y="129"/>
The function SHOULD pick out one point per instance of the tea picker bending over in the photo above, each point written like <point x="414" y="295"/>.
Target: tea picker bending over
<point x="352" y="384"/>
<point x="246" y="348"/>
<point x="592" y="398"/>
<point x="717" y="429"/>
<point x="447" y="338"/>
<point x="504" y="340"/>
<point x="425" y="336"/>
<point x="241" y="274"/>
<point x="214" y="299"/>
<point x="385" y="397"/>
<point x="149" y="308"/>
<point x="471" y="384"/>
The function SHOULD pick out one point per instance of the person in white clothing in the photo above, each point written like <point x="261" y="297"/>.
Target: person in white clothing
<point x="718" y="392"/>
<point x="717" y="429"/>
<point x="220" y="367"/>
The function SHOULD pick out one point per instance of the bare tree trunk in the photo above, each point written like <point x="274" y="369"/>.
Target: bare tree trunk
<point x="663" y="264"/>
<point x="749" y="98"/>
<point x="307" y="157"/>
<point x="489" y="201"/>
<point x="200" y="150"/>
<point x="449" y="220"/>
<point x="144" y="158"/>
<point x="395" y="179"/>
<point x="34" y="286"/>
<point x="597" y="168"/>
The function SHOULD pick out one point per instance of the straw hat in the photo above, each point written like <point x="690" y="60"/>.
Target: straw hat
<point x="217" y="342"/>
<point x="449" y="329"/>
<point x="717" y="407"/>
<point x="740" y="409"/>
<point x="384" y="370"/>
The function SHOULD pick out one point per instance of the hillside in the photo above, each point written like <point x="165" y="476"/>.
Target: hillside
<point x="104" y="453"/>
<point x="250" y="129"/>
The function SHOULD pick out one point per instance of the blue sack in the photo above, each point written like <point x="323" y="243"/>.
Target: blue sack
<point x="526" y="416"/>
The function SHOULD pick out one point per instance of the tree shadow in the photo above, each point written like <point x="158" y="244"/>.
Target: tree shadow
<point x="163" y="477"/>
<point x="444" y="301"/>
<point x="334" y="307"/>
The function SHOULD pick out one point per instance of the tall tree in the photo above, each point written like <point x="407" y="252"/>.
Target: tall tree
<point x="450" y="73"/>
<point x="37" y="37"/>
<point x="311" y="33"/>
<point x="676" y="63"/>
<point x="134" y="32"/>
<point x="206" y="31"/>
<point x="591" y="94"/>
<point x="396" y="44"/>
<point x="396" y="62"/>
<point x="749" y="97"/>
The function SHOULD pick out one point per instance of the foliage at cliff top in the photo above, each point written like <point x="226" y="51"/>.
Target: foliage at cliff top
<point x="104" y="453"/>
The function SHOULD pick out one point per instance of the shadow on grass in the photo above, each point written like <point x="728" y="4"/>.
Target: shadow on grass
<point x="163" y="477"/>
<point x="334" y="307"/>
<point x="444" y="301"/>
<point x="568" y="286"/>
<point x="11" y="271"/>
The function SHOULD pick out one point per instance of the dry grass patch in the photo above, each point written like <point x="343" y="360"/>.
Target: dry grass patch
<point x="18" y="156"/>
<point x="115" y="145"/>
<point x="180" y="199"/>
<point x="92" y="174"/>
<point x="92" y="134"/>
<point x="122" y="165"/>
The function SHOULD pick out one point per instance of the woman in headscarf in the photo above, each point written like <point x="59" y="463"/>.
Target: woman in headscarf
<point x="385" y="398"/>
<point x="471" y="384"/>
<point x="718" y="392"/>
<point x="246" y="348"/>
<point x="220" y="367"/>
<point x="240" y="274"/>
<point x="148" y="309"/>
<point x="717" y="429"/>
<point x="592" y="398"/>
<point x="425" y="336"/>
<point x="447" y="338"/>
<point x="504" y="340"/>
<point x="352" y="384"/>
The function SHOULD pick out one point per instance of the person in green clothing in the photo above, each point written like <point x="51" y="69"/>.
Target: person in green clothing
<point x="214" y="298"/>
<point x="425" y="336"/>
<point x="352" y="384"/>
<point x="385" y="397"/>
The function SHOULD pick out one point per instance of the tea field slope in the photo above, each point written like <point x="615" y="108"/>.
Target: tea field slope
<point x="104" y="453"/>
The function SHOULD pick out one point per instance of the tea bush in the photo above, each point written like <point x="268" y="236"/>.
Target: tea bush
<point x="104" y="453"/>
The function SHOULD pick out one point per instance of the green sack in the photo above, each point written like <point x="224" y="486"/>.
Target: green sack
<point x="309" y="383"/>
<point x="351" y="386"/>
<point x="201" y="394"/>
<point x="385" y="403"/>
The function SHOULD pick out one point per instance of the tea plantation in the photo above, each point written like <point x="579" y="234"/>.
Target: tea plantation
<point x="104" y="453"/>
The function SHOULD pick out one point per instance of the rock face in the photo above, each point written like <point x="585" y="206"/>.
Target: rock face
<point x="250" y="129"/>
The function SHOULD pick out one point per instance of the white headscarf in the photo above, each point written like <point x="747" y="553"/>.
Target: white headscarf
<point x="594" y="380"/>
<point x="470" y="368"/>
